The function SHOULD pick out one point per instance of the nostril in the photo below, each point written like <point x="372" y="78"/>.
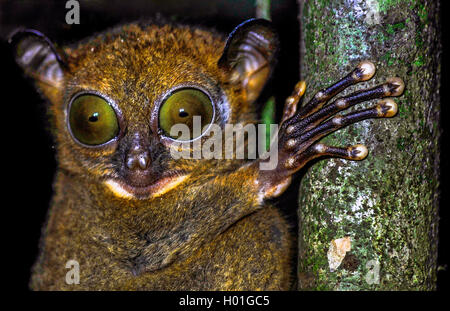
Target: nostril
<point x="138" y="161"/>
<point x="143" y="161"/>
<point x="130" y="161"/>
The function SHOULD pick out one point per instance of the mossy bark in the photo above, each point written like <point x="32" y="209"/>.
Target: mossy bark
<point x="388" y="203"/>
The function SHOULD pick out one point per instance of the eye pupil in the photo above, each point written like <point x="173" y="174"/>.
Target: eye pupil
<point x="94" y="117"/>
<point x="183" y="113"/>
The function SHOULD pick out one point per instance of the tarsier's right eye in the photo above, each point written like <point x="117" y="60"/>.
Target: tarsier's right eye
<point x="92" y="120"/>
<point x="181" y="107"/>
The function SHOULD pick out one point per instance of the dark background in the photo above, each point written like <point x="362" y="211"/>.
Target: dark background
<point x="28" y="149"/>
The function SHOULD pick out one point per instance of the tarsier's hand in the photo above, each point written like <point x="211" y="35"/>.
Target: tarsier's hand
<point x="300" y="131"/>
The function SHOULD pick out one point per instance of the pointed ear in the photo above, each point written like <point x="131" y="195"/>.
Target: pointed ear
<point x="250" y="56"/>
<point x="37" y="56"/>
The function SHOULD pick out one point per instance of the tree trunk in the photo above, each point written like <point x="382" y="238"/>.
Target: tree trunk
<point x="387" y="204"/>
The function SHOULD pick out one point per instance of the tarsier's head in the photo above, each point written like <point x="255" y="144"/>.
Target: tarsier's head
<point x="115" y="98"/>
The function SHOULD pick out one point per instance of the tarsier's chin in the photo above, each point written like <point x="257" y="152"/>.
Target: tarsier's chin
<point x="134" y="216"/>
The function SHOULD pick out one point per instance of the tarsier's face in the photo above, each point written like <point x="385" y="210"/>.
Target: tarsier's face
<point x="123" y="97"/>
<point x="116" y="98"/>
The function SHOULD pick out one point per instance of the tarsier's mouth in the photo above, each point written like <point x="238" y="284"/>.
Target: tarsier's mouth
<point x="122" y="189"/>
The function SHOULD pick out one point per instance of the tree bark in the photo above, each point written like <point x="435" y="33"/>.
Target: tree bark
<point x="387" y="204"/>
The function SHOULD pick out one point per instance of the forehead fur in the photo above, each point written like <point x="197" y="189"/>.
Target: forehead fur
<point x="149" y="43"/>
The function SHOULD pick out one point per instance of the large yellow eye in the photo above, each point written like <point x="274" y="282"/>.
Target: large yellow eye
<point x="92" y="120"/>
<point x="181" y="107"/>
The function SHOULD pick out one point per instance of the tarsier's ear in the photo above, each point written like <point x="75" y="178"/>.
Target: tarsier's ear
<point x="249" y="55"/>
<point x="37" y="56"/>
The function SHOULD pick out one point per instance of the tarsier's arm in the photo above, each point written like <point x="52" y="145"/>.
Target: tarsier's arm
<point x="300" y="132"/>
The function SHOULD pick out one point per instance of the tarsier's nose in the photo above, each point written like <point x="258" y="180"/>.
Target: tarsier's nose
<point x="137" y="161"/>
<point x="138" y="157"/>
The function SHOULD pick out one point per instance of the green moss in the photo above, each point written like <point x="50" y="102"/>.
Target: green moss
<point x="422" y="13"/>
<point x="419" y="61"/>
<point x="386" y="5"/>
<point x="392" y="28"/>
<point x="401" y="143"/>
<point x="387" y="58"/>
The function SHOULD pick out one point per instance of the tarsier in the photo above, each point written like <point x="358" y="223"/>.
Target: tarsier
<point x="134" y="217"/>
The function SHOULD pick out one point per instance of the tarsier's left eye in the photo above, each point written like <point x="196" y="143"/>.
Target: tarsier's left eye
<point x="92" y="120"/>
<point x="181" y="107"/>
